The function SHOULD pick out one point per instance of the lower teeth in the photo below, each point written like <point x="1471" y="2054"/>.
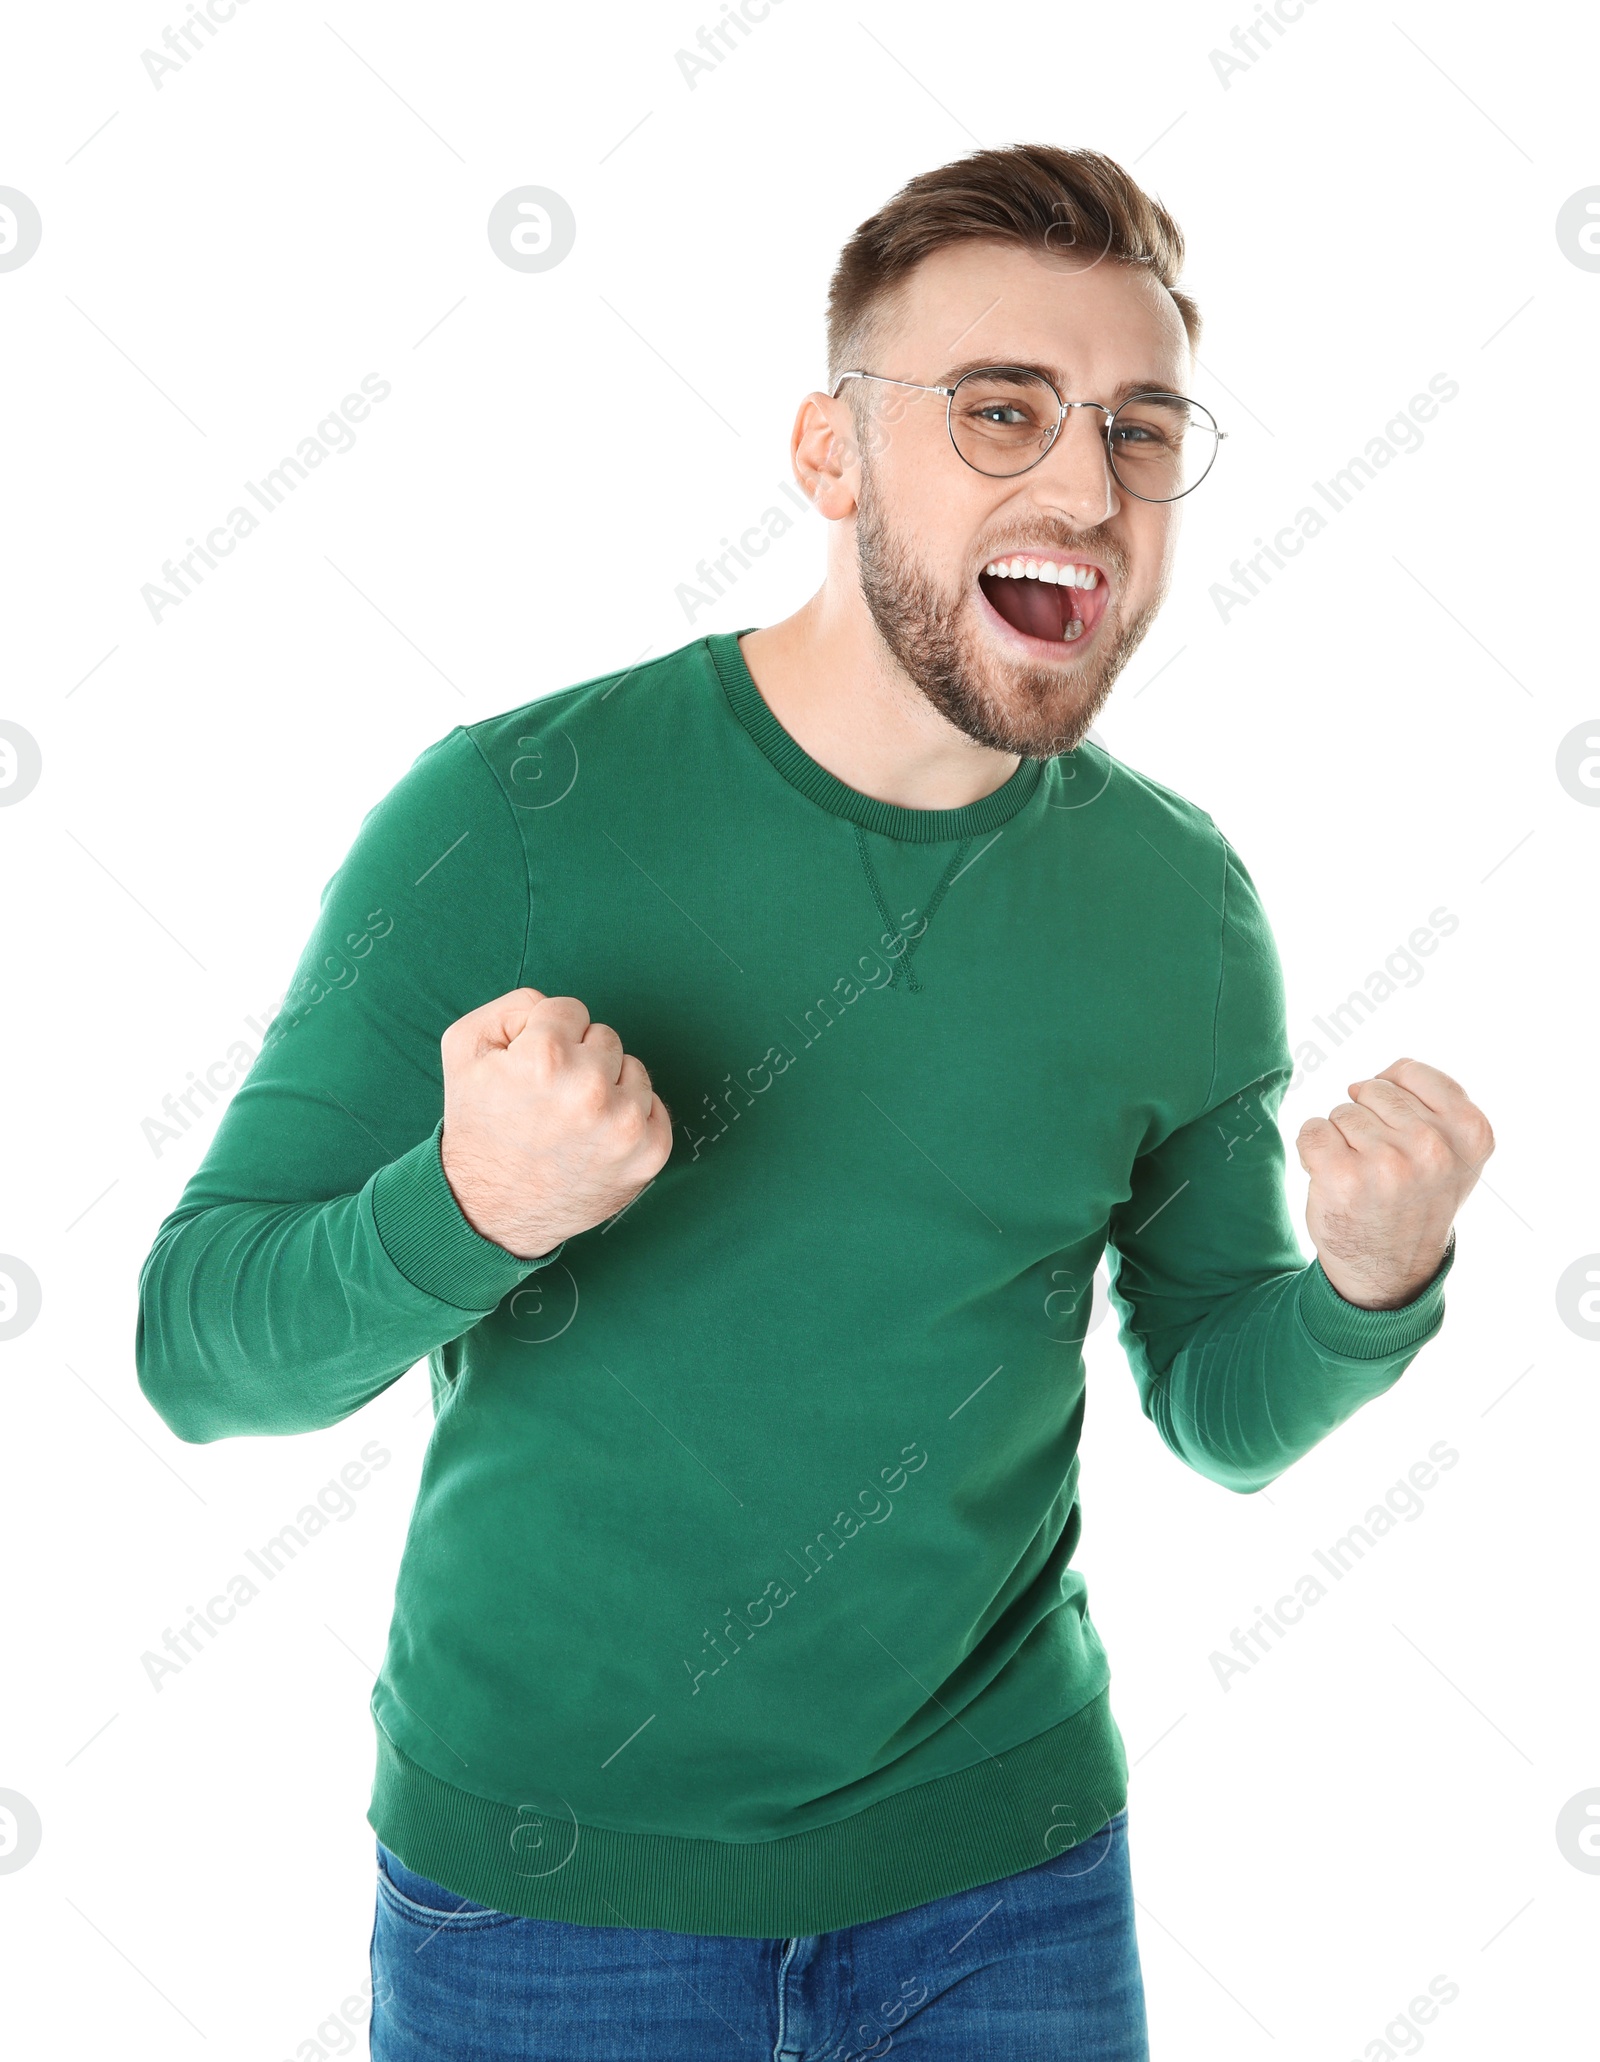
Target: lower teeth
<point x="1073" y="629"/>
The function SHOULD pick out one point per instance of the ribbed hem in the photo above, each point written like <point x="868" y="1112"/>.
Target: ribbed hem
<point x="1003" y="1815"/>
<point x="1357" y="1334"/>
<point x="426" y="1236"/>
<point x="817" y="784"/>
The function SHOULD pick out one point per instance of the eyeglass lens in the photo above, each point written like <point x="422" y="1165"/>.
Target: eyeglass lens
<point x="1160" y="445"/>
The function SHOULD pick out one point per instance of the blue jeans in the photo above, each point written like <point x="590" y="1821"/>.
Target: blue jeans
<point x="1040" y="1965"/>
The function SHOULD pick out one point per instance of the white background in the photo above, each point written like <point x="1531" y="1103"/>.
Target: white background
<point x="1370" y="203"/>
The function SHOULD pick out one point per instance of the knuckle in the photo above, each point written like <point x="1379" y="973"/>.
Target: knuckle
<point x="546" y="1049"/>
<point x="589" y="1092"/>
<point x="628" y="1125"/>
<point x="1391" y="1167"/>
<point x="1432" y="1151"/>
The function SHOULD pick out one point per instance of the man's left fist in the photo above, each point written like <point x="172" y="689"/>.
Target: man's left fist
<point x="1389" y="1170"/>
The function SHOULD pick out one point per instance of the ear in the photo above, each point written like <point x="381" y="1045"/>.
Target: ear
<point x="822" y="450"/>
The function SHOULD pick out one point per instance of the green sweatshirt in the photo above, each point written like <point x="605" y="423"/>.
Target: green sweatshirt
<point x="742" y="1593"/>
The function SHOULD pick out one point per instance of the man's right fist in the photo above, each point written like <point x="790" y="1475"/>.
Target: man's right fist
<point x="549" y="1126"/>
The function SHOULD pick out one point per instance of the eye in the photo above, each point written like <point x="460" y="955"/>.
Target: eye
<point x="1151" y="423"/>
<point x="1139" y="433"/>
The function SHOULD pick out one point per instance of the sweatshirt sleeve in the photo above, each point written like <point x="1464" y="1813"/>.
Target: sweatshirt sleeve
<point x="318" y="1252"/>
<point x="1244" y="1354"/>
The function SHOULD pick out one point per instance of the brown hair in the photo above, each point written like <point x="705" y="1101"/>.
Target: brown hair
<point x="1033" y="194"/>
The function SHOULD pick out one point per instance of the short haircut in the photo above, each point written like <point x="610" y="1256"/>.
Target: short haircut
<point x="1031" y="194"/>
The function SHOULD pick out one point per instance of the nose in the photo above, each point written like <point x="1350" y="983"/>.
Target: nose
<point x="1074" y="477"/>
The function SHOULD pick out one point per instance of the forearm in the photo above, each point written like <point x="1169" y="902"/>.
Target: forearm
<point x="273" y="1318"/>
<point x="1272" y="1371"/>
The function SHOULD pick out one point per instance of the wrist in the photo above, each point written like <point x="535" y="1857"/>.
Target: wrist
<point x="490" y="1210"/>
<point x="1383" y="1286"/>
<point x="431" y="1240"/>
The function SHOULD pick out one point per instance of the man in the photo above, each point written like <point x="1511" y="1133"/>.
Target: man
<point x="729" y="1073"/>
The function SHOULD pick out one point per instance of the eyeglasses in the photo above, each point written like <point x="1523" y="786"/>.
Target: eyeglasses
<point x="1003" y="420"/>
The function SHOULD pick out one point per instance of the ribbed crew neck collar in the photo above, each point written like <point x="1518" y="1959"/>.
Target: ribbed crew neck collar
<point x="817" y="784"/>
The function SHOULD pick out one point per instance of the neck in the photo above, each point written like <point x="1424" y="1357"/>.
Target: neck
<point x="829" y="679"/>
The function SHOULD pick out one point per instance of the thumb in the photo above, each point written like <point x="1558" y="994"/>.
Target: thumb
<point x="504" y="1019"/>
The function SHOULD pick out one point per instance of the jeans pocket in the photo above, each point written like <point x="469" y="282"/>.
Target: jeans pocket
<point x="423" y="1902"/>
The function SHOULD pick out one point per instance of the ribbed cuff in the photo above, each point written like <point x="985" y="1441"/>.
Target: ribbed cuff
<point x="1358" y="1334"/>
<point x="426" y="1236"/>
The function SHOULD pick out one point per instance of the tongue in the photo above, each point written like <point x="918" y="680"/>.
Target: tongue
<point x="1032" y="606"/>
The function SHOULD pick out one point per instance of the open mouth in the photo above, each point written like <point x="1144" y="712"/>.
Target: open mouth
<point x="1044" y="598"/>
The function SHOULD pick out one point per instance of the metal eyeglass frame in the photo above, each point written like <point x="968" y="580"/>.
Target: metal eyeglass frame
<point x="1110" y="414"/>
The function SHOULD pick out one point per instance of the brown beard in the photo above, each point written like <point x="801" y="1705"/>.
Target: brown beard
<point x="1033" y="711"/>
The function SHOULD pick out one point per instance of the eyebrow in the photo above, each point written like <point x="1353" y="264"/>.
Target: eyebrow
<point x="1119" y="394"/>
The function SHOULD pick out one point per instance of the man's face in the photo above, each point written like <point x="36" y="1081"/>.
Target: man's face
<point x="998" y="657"/>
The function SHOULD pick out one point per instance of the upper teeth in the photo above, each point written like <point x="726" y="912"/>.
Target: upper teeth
<point x="1044" y="569"/>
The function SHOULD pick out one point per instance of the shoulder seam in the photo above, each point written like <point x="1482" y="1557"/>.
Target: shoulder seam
<point x="560" y="694"/>
<point x="1222" y="961"/>
<point x="522" y="847"/>
<point x="1157" y="790"/>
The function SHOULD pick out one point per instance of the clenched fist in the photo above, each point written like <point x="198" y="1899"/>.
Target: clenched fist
<point x="549" y="1126"/>
<point x="1388" y="1172"/>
